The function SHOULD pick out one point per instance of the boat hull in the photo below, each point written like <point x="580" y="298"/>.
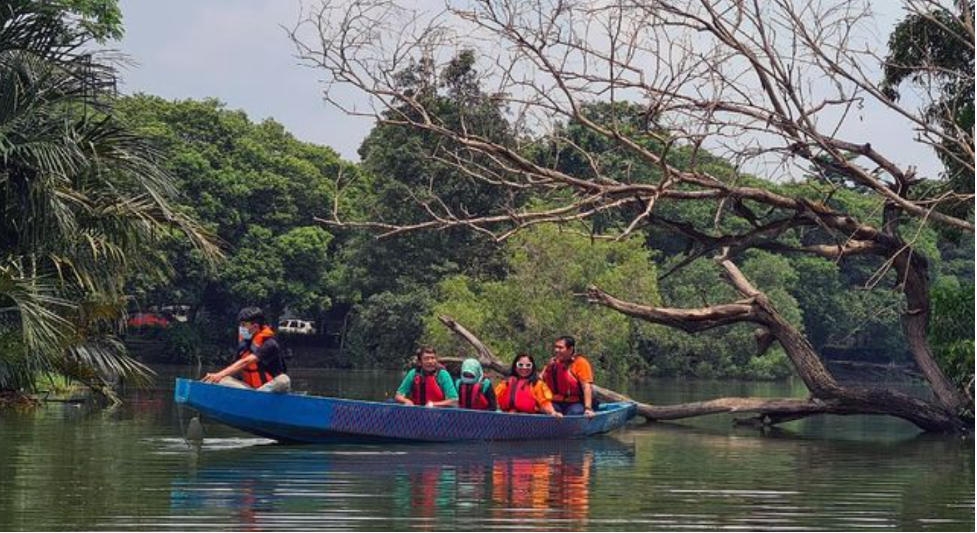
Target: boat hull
<point x="314" y="419"/>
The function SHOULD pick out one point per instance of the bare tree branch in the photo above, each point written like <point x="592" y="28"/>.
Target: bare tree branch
<point x="688" y="320"/>
<point x="764" y="85"/>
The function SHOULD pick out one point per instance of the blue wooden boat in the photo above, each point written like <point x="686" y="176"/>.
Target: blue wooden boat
<point x="315" y="419"/>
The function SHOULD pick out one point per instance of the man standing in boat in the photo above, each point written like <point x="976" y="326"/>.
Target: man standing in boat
<point x="570" y="377"/>
<point x="429" y="384"/>
<point x="260" y="361"/>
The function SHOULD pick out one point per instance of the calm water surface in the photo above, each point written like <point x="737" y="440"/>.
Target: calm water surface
<point x="67" y="467"/>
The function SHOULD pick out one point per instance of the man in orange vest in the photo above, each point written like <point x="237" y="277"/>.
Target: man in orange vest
<point x="571" y="379"/>
<point x="260" y="364"/>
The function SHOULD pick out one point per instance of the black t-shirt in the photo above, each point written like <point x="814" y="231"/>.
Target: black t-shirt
<point x="493" y="403"/>
<point x="270" y="357"/>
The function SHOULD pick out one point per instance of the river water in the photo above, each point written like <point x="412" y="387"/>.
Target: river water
<point x="68" y="467"/>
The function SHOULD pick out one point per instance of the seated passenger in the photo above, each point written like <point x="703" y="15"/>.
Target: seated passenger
<point x="570" y="378"/>
<point x="429" y="384"/>
<point x="523" y="391"/>
<point x="474" y="390"/>
<point x="260" y="362"/>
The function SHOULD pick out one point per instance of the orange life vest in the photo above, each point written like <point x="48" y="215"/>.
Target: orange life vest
<point x="252" y="374"/>
<point x="518" y="396"/>
<point x="565" y="386"/>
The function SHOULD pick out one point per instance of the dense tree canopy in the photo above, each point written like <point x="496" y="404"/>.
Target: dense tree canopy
<point x="84" y="201"/>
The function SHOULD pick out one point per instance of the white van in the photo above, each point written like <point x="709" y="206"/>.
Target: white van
<point x="294" y="325"/>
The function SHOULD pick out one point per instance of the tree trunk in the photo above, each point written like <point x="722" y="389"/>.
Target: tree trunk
<point x="846" y="402"/>
<point x="969" y="390"/>
<point x="827" y="396"/>
<point x="758" y="310"/>
<point x="805" y="359"/>
<point x="913" y="274"/>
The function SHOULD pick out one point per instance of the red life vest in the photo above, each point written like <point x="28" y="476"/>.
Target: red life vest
<point x="565" y="386"/>
<point x="472" y="396"/>
<point x="425" y="387"/>
<point x="252" y="375"/>
<point x="518" y="396"/>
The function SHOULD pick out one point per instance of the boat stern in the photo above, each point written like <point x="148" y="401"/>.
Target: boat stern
<point x="181" y="393"/>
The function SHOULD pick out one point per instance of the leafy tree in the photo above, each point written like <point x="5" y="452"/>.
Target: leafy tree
<point x="932" y="49"/>
<point x="83" y="198"/>
<point x="404" y="171"/>
<point x="548" y="268"/>
<point x="951" y="331"/>
<point x="260" y="190"/>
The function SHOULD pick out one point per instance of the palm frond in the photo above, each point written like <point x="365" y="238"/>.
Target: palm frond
<point x="83" y="202"/>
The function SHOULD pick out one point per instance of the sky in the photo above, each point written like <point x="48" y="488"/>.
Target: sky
<point x="238" y="52"/>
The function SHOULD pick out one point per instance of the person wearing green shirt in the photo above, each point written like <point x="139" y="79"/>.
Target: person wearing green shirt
<point x="429" y="384"/>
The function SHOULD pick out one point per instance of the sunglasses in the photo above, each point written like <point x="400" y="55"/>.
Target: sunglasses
<point x="524" y="365"/>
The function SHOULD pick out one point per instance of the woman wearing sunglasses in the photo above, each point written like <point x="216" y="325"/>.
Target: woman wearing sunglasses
<point x="523" y="391"/>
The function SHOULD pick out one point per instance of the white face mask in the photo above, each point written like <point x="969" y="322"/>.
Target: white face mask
<point x="244" y="332"/>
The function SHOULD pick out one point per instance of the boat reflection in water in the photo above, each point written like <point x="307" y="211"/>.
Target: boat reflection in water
<point x="451" y="486"/>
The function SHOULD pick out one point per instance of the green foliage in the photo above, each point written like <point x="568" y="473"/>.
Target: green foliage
<point x="775" y="276"/>
<point x="61" y="23"/>
<point x="406" y="174"/>
<point x="389" y="281"/>
<point x="926" y="50"/>
<point x="951" y="327"/>
<point x="101" y="19"/>
<point x="260" y="190"/>
<point x="842" y="315"/>
<point x="715" y="353"/>
<point x="386" y="327"/>
<point x="281" y="271"/>
<point x="548" y="268"/>
<point x="773" y="365"/>
<point x="83" y="198"/>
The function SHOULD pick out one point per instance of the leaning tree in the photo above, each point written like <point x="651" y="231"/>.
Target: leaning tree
<point x="774" y="87"/>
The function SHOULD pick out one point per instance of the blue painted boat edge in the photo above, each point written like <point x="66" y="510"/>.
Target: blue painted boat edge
<point x="181" y="394"/>
<point x="313" y="417"/>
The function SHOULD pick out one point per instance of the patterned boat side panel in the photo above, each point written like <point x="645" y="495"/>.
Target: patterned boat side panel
<point x="290" y="416"/>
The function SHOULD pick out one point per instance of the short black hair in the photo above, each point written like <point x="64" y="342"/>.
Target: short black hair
<point x="569" y="341"/>
<point x="251" y="314"/>
<point x="425" y="349"/>
<point x="533" y="376"/>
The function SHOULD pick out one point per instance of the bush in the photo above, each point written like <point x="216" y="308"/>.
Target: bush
<point x="386" y="328"/>
<point x="773" y="365"/>
<point x="951" y="329"/>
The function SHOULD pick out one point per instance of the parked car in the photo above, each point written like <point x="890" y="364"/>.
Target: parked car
<point x="180" y="313"/>
<point x="294" y="325"/>
<point x="143" y="320"/>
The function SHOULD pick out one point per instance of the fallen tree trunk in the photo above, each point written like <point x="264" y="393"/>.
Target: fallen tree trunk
<point x="15" y="398"/>
<point x="768" y="411"/>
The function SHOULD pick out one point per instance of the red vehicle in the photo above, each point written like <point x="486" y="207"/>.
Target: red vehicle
<point x="142" y="320"/>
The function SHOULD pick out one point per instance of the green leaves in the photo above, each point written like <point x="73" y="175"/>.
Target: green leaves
<point x="927" y="49"/>
<point x="951" y="328"/>
<point x="101" y="19"/>
<point x="548" y="269"/>
<point x="83" y="199"/>
<point x="259" y="189"/>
